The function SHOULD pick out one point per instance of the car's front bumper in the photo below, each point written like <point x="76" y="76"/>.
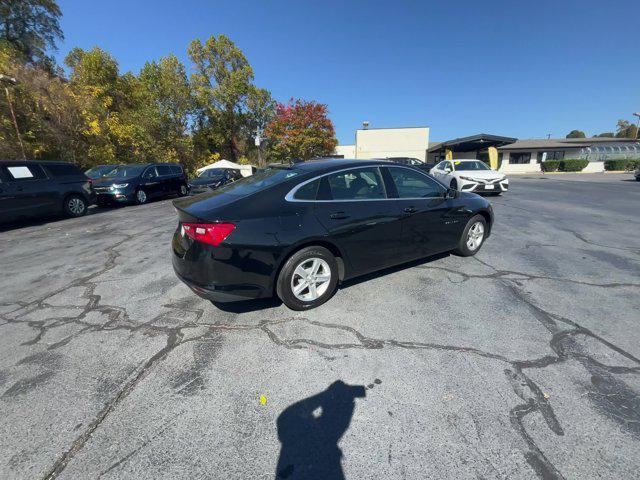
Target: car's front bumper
<point x="114" y="196"/>
<point x="479" y="186"/>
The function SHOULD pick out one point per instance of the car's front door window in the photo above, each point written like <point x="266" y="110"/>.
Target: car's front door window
<point x="357" y="184"/>
<point x="150" y="173"/>
<point x="410" y="184"/>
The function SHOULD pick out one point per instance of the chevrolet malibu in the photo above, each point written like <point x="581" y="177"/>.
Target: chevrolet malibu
<point x="297" y="231"/>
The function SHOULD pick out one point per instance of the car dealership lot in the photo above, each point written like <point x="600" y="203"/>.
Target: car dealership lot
<point x="519" y="362"/>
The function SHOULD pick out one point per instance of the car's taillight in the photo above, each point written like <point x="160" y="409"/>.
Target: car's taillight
<point x="210" y="233"/>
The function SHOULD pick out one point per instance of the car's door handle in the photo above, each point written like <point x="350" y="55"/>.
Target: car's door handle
<point x="338" y="215"/>
<point x="410" y="210"/>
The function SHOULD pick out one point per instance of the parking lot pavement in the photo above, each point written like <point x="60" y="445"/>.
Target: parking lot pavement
<point x="521" y="362"/>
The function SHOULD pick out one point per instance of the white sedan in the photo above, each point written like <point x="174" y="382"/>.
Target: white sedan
<point x="470" y="176"/>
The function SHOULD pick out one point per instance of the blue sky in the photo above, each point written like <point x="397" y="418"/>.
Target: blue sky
<point x="516" y="68"/>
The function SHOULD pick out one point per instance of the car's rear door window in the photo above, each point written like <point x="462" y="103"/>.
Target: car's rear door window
<point x="308" y="191"/>
<point x="356" y="184"/>
<point x="411" y="184"/>
<point x="21" y="173"/>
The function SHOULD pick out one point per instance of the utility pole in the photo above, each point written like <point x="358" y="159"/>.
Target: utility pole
<point x="637" y="114"/>
<point x="12" y="81"/>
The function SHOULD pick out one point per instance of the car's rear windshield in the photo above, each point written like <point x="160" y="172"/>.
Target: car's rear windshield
<point x="258" y="181"/>
<point x="471" y="166"/>
<point x="125" y="171"/>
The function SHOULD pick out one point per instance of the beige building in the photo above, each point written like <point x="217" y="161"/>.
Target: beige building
<point x="410" y="142"/>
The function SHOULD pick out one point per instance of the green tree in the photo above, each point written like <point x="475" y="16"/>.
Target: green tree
<point x="31" y="27"/>
<point x="221" y="85"/>
<point x="576" y="134"/>
<point x="606" y="135"/>
<point x="625" y="129"/>
<point x="300" y="129"/>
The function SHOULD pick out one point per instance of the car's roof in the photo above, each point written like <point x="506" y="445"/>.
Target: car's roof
<point x="464" y="160"/>
<point x="36" y="162"/>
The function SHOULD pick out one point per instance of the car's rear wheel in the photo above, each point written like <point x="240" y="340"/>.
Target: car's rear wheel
<point x="308" y="278"/>
<point x="183" y="190"/>
<point x="472" y="237"/>
<point x="141" y="196"/>
<point x="454" y="184"/>
<point x="75" y="206"/>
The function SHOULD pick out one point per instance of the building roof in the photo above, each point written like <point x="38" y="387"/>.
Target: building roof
<point x="562" y="143"/>
<point x="473" y="142"/>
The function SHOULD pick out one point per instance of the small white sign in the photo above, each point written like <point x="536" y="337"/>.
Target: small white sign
<point x="489" y="187"/>
<point x="20" y="172"/>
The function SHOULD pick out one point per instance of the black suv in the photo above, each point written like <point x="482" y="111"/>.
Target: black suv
<point x="34" y="189"/>
<point x="140" y="182"/>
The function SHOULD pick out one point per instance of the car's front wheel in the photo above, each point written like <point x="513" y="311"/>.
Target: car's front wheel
<point x="454" y="184"/>
<point x="75" y="206"/>
<point x="183" y="190"/>
<point x="141" y="197"/>
<point x="308" y="278"/>
<point x="472" y="237"/>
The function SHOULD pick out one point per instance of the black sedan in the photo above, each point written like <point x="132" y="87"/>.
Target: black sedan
<point x="297" y="231"/>
<point x="213" y="178"/>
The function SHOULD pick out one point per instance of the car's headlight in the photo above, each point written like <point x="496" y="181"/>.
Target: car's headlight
<point x="468" y="179"/>
<point x="116" y="186"/>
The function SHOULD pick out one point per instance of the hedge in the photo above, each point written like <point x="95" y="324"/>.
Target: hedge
<point x="550" y="166"/>
<point x="573" y="165"/>
<point x="625" y="164"/>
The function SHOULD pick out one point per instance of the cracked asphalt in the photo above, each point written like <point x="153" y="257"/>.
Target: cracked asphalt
<point x="522" y="362"/>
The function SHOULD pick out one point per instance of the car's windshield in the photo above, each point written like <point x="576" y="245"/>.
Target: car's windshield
<point x="211" y="173"/>
<point x="99" y="171"/>
<point x="471" y="166"/>
<point x="258" y="181"/>
<point x="125" y="171"/>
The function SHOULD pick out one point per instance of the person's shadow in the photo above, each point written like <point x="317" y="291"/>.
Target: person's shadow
<point x="309" y="431"/>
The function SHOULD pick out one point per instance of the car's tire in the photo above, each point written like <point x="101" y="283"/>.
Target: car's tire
<point x="472" y="237"/>
<point x="454" y="184"/>
<point x="303" y="270"/>
<point x="141" y="196"/>
<point x="183" y="191"/>
<point x="75" y="206"/>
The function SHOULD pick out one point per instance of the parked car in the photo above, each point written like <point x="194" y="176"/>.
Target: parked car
<point x="138" y="183"/>
<point x="298" y="230"/>
<point x="413" y="162"/>
<point x="99" y="170"/>
<point x="637" y="173"/>
<point x="36" y="189"/>
<point x="213" y="178"/>
<point x="470" y="176"/>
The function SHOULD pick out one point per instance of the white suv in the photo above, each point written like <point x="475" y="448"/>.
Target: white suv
<point x="470" y="176"/>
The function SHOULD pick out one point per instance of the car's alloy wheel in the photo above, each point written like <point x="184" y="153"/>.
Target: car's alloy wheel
<point x="75" y="206"/>
<point x="454" y="184"/>
<point x="475" y="236"/>
<point x="141" y="196"/>
<point x="308" y="278"/>
<point x="183" y="190"/>
<point x="472" y="237"/>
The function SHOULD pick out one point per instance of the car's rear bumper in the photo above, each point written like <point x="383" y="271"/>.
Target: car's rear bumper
<point x="221" y="293"/>
<point x="224" y="273"/>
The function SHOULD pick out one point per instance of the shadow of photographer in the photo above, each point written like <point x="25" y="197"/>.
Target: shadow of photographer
<point x="309" y="431"/>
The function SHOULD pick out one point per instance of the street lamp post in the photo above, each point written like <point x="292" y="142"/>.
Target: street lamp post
<point x="637" y="114"/>
<point x="12" y="81"/>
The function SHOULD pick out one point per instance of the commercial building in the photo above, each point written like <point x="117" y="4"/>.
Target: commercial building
<point x="510" y="154"/>
<point x="386" y="143"/>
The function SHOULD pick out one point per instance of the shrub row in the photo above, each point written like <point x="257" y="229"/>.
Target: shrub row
<point x="624" y="164"/>
<point x="568" y="165"/>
